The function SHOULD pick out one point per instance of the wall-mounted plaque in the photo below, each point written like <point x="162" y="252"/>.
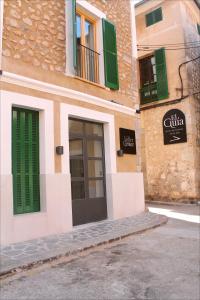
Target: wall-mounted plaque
<point x="127" y="141"/>
<point x="174" y="127"/>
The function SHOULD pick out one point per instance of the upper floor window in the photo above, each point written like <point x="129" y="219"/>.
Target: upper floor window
<point x="92" y="54"/>
<point x="87" y="56"/>
<point x="154" y="17"/>
<point x="153" y="77"/>
<point x="148" y="70"/>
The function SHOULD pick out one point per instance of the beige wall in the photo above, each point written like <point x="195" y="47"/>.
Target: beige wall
<point x="127" y="163"/>
<point x="172" y="172"/>
<point x="161" y="33"/>
<point x="34" y="45"/>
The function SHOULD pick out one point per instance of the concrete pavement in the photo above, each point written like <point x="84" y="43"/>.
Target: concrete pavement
<point x="160" y="264"/>
<point x="20" y="256"/>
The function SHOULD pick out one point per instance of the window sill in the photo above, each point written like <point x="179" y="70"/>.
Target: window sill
<point x="154" y="102"/>
<point x="34" y="214"/>
<point x="90" y="82"/>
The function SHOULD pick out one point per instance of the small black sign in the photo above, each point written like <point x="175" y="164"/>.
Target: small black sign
<point x="127" y="141"/>
<point x="174" y="127"/>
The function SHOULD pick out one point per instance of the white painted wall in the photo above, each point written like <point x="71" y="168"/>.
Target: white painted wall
<point x="125" y="195"/>
<point x="128" y="194"/>
<point x="55" y="216"/>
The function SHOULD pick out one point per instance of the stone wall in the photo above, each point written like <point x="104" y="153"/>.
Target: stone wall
<point x="169" y="169"/>
<point x="34" y="33"/>
<point x="172" y="172"/>
<point x="120" y="15"/>
<point x="193" y="75"/>
<point x="34" y="37"/>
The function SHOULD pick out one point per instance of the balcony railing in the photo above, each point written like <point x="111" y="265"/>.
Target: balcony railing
<point x="148" y="93"/>
<point x="87" y="64"/>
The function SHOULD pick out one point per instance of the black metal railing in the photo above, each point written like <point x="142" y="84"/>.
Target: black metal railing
<point x="87" y="63"/>
<point x="148" y="93"/>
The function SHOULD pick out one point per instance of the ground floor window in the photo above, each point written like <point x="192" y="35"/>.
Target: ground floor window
<point x="25" y="160"/>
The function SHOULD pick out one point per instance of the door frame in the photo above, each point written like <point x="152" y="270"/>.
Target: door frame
<point x="85" y="138"/>
<point x="70" y="111"/>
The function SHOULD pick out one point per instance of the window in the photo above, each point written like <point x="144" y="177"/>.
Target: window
<point x="148" y="78"/>
<point x="25" y="160"/>
<point x="153" y="77"/>
<point x="148" y="70"/>
<point x="154" y="17"/>
<point x="94" y="45"/>
<point x="87" y="57"/>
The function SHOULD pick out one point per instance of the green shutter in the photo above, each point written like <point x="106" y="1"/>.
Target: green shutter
<point x="25" y="160"/>
<point x="74" y="32"/>
<point x="110" y="55"/>
<point x="161" y="72"/>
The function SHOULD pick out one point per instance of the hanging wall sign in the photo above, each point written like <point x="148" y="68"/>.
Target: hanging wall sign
<point x="174" y="127"/>
<point x="127" y="141"/>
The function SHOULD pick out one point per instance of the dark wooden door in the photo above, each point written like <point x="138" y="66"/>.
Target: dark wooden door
<point x="87" y="168"/>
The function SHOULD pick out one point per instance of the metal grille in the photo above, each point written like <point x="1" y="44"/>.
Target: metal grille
<point x="87" y="63"/>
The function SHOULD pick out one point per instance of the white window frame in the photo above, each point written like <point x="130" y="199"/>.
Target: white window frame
<point x="46" y="131"/>
<point x="97" y="15"/>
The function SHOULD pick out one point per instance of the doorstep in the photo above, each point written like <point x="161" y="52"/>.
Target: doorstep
<point x="25" y="255"/>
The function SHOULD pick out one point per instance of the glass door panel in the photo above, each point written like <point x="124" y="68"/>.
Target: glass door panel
<point x="89" y="35"/>
<point x="93" y="129"/>
<point x="96" y="189"/>
<point x="95" y="168"/>
<point x="87" y="171"/>
<point x="75" y="127"/>
<point x="78" y="190"/>
<point x="76" y="168"/>
<point x="89" y="51"/>
<point x="78" y="41"/>
<point x="76" y="148"/>
<point x="94" y="148"/>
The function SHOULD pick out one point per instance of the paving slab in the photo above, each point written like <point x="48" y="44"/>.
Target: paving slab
<point x="25" y="255"/>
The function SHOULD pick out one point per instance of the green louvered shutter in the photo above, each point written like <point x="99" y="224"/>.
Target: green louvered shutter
<point x="110" y="55"/>
<point x="25" y="160"/>
<point x="74" y="32"/>
<point x="161" y="72"/>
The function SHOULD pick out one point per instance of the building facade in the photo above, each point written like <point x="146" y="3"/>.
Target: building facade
<point x="168" y="39"/>
<point x="68" y="108"/>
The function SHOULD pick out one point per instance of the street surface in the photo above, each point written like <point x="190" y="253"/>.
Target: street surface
<point x="162" y="263"/>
